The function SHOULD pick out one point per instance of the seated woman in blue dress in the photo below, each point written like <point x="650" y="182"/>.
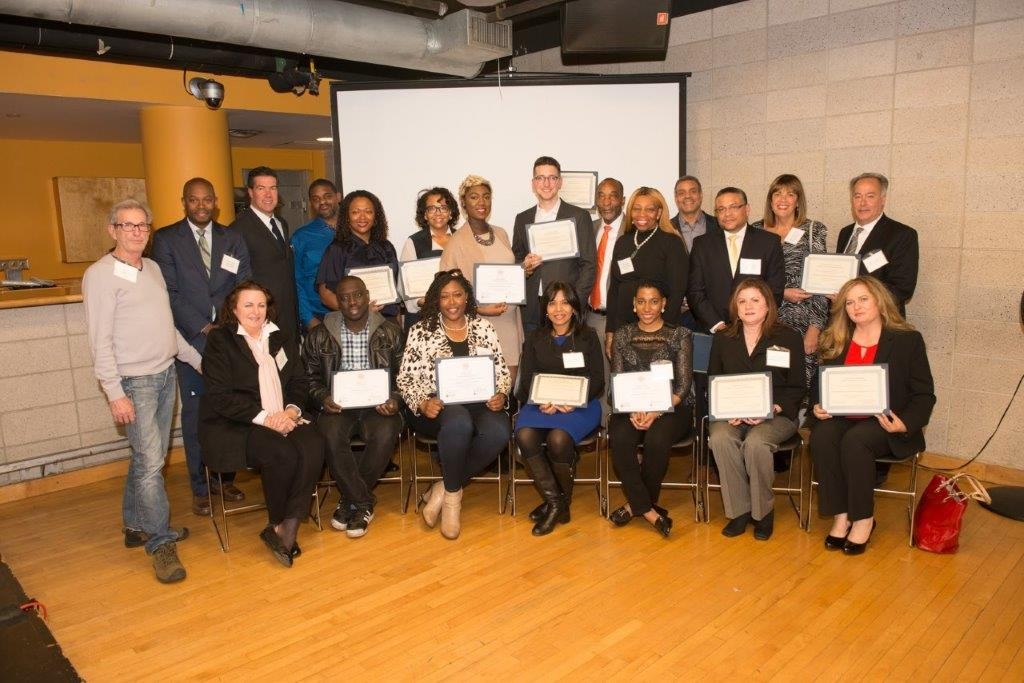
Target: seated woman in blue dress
<point x="547" y="434"/>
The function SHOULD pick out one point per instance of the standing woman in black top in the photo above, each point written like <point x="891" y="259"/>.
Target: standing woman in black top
<point x="755" y="341"/>
<point x="649" y="248"/>
<point x="563" y="345"/>
<point x="436" y="215"/>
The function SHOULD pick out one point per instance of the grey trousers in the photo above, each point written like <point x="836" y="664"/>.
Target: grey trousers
<point x="745" y="463"/>
<point x="599" y="322"/>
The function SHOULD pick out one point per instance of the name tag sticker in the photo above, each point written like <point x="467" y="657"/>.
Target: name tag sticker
<point x="663" y="370"/>
<point x="573" y="359"/>
<point x="281" y="358"/>
<point x="482" y="351"/>
<point x="230" y="264"/>
<point x="874" y="261"/>
<point x="625" y="266"/>
<point x="126" y="272"/>
<point x="794" y="236"/>
<point x="750" y="266"/>
<point x="778" y="357"/>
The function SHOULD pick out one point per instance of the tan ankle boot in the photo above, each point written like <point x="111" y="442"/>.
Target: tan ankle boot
<point x="431" y="501"/>
<point x="451" y="512"/>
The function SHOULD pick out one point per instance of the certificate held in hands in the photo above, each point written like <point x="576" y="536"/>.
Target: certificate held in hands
<point x="559" y="390"/>
<point x="553" y="240"/>
<point x="743" y="396"/>
<point x="361" y="388"/>
<point x="465" y="379"/>
<point x="417" y="276"/>
<point x="379" y="280"/>
<point x="641" y="392"/>
<point x="827" y="273"/>
<point x="854" y="389"/>
<point x="499" y="284"/>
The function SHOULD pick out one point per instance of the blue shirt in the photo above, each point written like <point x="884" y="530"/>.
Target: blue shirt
<point x="309" y="244"/>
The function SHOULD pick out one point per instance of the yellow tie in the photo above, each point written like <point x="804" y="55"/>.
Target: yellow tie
<point x="734" y="252"/>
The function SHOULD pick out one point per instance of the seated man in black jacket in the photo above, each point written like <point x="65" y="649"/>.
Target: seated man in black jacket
<point x="354" y="338"/>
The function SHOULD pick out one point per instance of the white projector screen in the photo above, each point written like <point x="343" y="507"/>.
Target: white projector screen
<point x="395" y="139"/>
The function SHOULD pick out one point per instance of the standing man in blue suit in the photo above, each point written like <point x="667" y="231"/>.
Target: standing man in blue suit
<point x="201" y="261"/>
<point x="308" y="245"/>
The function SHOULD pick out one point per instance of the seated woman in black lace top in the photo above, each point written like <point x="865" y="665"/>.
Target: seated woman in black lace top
<point x="635" y="347"/>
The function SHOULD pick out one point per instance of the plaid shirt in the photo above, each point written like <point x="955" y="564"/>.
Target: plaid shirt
<point x="355" y="349"/>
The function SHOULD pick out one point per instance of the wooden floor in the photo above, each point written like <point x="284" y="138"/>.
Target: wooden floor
<point x="588" y="602"/>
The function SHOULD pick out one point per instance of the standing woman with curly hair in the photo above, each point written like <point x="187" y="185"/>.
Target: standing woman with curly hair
<point x="361" y="242"/>
<point x="436" y="216"/>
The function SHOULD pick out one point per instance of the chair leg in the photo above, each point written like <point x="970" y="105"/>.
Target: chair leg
<point x="912" y="508"/>
<point x="221" y="539"/>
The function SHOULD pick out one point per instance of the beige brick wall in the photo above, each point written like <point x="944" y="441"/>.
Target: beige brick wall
<point x="929" y="92"/>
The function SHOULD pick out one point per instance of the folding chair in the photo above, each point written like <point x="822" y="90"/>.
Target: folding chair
<point x="430" y="446"/>
<point x="594" y="439"/>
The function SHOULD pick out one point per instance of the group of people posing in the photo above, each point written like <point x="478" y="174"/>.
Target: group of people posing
<point x="260" y="319"/>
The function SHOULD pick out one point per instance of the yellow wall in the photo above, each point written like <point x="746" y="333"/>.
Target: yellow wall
<point x="277" y="159"/>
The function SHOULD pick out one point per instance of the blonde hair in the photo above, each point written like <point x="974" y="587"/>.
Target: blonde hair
<point x="663" y="221"/>
<point x="472" y="181"/>
<point x="837" y="334"/>
<point x="786" y="181"/>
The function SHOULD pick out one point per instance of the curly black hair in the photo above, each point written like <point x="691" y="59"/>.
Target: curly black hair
<point x="379" y="231"/>
<point x="432" y="300"/>
<point x="449" y="200"/>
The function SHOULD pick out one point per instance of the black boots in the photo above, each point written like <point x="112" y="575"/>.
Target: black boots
<point x="547" y="485"/>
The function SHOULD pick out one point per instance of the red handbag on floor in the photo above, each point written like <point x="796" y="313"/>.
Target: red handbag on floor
<point x="941" y="511"/>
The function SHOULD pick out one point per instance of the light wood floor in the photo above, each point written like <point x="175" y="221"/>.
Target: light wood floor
<point x="588" y="602"/>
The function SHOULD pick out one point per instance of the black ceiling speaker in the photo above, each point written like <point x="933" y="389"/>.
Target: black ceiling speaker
<point x="616" y="30"/>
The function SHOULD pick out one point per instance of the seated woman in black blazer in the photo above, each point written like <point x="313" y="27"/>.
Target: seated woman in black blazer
<point x="563" y="345"/>
<point x="867" y="328"/>
<point x="635" y="347"/>
<point x="255" y="383"/>
<point x="755" y="341"/>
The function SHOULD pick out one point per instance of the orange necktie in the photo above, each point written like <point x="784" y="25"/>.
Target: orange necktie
<point x="595" y="293"/>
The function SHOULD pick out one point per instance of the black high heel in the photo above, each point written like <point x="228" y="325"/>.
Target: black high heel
<point x="851" y="548"/>
<point x="837" y="542"/>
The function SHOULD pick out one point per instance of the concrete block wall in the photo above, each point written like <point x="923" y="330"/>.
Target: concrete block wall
<point x="929" y="92"/>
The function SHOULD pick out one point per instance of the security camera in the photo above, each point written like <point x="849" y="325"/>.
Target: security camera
<point x="208" y="90"/>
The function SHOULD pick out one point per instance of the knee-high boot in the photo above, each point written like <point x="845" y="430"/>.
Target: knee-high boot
<point x="546" y="484"/>
<point x="565" y="473"/>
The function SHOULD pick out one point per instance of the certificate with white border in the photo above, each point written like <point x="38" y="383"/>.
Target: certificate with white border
<point x="553" y="240"/>
<point x="379" y="281"/>
<point x="579" y="188"/>
<point x="559" y="390"/>
<point x="418" y="275"/>
<point x="499" y="283"/>
<point x="361" y="388"/>
<point x="827" y="273"/>
<point x="854" y="389"/>
<point x="465" y="379"/>
<point x="742" y="396"/>
<point x="641" y="392"/>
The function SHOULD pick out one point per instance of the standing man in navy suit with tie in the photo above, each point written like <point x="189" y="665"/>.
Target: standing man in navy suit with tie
<point x="201" y="261"/>
<point x="266" y="236"/>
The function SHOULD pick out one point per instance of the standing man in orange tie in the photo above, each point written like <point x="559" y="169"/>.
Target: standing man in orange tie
<point x="606" y="231"/>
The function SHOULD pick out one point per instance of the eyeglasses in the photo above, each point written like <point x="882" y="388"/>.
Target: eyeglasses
<point x="352" y="298"/>
<point x="732" y="207"/>
<point x="546" y="178"/>
<point x="133" y="227"/>
<point x="437" y="208"/>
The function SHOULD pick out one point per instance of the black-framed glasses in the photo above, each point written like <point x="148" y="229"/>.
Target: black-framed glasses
<point x="437" y="208"/>
<point x="133" y="227"/>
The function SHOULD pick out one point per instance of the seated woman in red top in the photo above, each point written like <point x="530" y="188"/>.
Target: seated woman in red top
<point x="866" y="328"/>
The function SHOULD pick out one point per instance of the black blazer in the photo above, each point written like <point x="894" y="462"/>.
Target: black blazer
<point x="194" y="294"/>
<point x="711" y="277"/>
<point x="898" y="243"/>
<point x="272" y="266"/>
<point x="663" y="258"/>
<point x="729" y="357"/>
<point x="911" y="390"/>
<point x="542" y="354"/>
<point x="232" y="396"/>
<point x="579" y="272"/>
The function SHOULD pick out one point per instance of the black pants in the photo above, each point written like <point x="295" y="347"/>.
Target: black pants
<point x="357" y="473"/>
<point x="469" y="438"/>
<point x="289" y="467"/>
<point x="844" y="453"/>
<point x="641" y="481"/>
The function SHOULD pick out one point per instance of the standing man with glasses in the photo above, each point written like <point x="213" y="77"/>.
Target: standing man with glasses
<point x="201" y="261"/>
<point x="134" y="343"/>
<point x="726" y="254"/>
<point x="308" y="246"/>
<point x="579" y="271"/>
<point x="266" y="236"/>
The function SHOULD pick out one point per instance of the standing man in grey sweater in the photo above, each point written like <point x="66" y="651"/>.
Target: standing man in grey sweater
<point x="134" y="342"/>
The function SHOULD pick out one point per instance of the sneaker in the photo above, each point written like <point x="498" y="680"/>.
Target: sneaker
<point x="357" y="523"/>
<point x="340" y="518"/>
<point x="166" y="564"/>
<point x="136" y="538"/>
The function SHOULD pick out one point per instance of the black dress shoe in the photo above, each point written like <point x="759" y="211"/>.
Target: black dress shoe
<point x="620" y="517"/>
<point x="764" y="527"/>
<point x="276" y="545"/>
<point x="836" y="542"/>
<point x="660" y="510"/>
<point x="663" y="525"/>
<point x="538" y="513"/>
<point x="737" y="526"/>
<point x="851" y="548"/>
<point x="296" y="550"/>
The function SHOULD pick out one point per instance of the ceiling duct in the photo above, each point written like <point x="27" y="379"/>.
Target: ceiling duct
<point x="458" y="44"/>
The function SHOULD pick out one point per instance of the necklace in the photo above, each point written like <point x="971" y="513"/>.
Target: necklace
<point x="465" y="324"/>
<point x="484" y="241"/>
<point x="639" y="244"/>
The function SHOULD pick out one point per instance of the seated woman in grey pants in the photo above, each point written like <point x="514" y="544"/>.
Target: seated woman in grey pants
<point x="755" y="342"/>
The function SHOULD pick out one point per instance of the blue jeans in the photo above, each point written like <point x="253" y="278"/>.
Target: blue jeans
<point x="145" y="505"/>
<point x="190" y="385"/>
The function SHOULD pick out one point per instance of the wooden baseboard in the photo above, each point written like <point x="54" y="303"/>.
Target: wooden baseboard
<point x="988" y="473"/>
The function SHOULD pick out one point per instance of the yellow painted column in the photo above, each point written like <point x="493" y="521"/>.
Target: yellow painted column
<point x="179" y="143"/>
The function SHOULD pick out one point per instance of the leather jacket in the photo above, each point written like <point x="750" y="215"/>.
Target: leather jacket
<point x="322" y="353"/>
